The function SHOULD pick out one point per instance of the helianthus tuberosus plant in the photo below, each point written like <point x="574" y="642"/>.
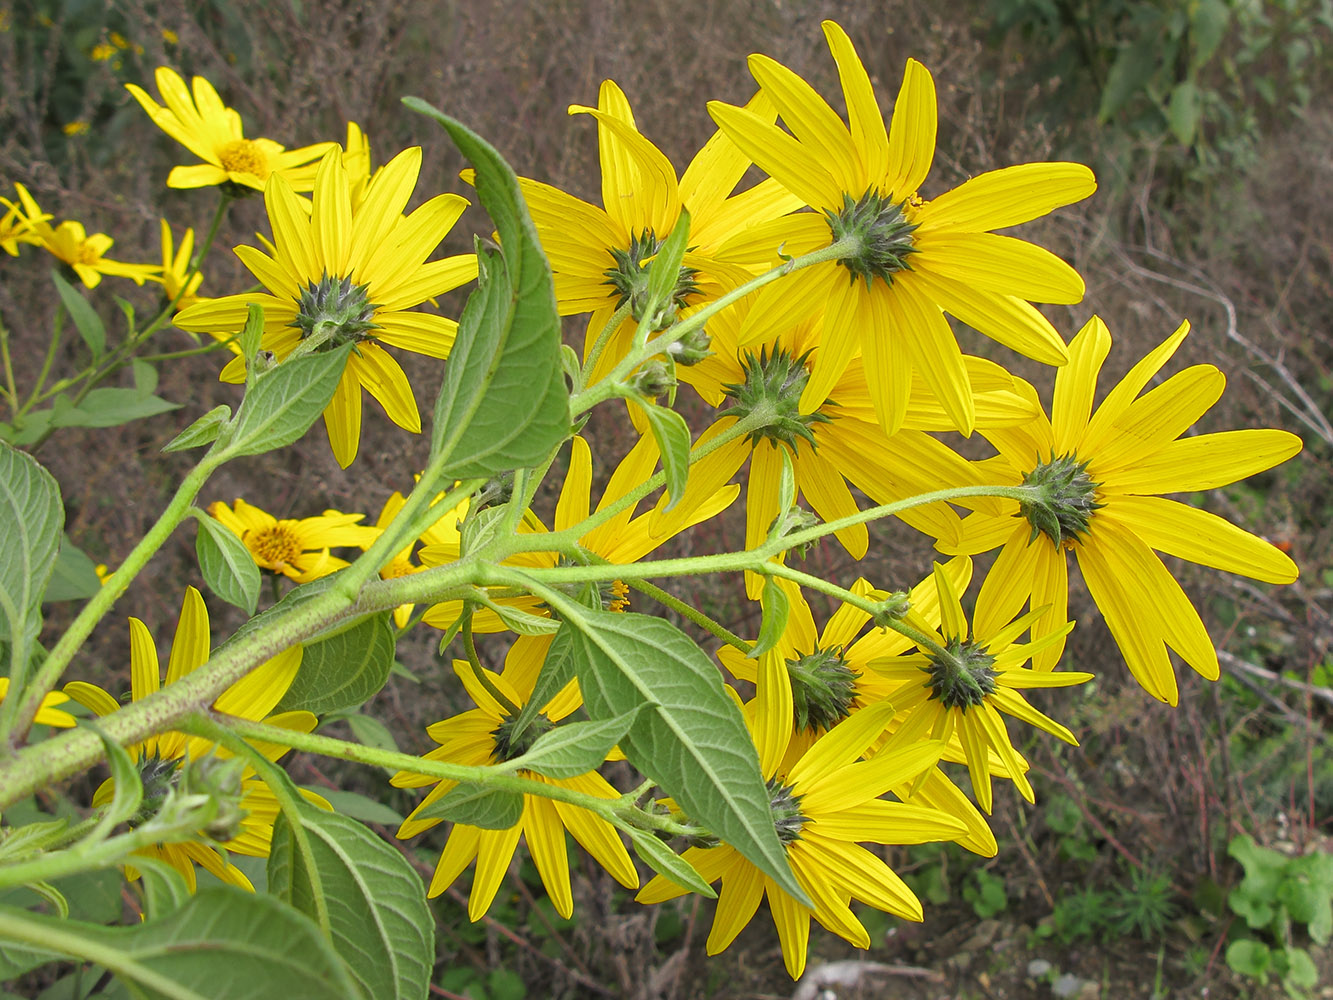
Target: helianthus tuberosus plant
<point x="809" y="312"/>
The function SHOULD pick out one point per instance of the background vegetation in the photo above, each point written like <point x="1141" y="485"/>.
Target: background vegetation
<point x="1208" y="124"/>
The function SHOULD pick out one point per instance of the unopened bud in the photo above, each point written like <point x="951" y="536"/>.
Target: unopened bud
<point x="692" y="348"/>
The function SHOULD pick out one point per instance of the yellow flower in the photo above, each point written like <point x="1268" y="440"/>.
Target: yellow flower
<point x="1100" y="471"/>
<point x="212" y="131"/>
<point x="178" y="284"/>
<point x="70" y="243"/>
<point x="296" y="549"/>
<point x="161" y="758"/>
<point x="18" y="222"/>
<point x="823" y="805"/>
<point x="47" y="714"/>
<point x="964" y="691"/>
<point x="599" y="256"/>
<point x="624" y="538"/>
<point x="478" y="737"/>
<point x="102" y="51"/>
<point x="836" y="441"/>
<point x="352" y="276"/>
<point x="76" y="127"/>
<point x="443" y="532"/>
<point x="920" y="259"/>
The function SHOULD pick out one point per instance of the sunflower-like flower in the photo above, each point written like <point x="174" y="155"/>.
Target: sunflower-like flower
<point x="443" y="532"/>
<point x="964" y="685"/>
<point x="70" y="243"/>
<point x="349" y="276"/>
<point x="47" y="714"/>
<point x="918" y="259"/>
<point x="297" y="549"/>
<point x="1100" y="471"/>
<point x="484" y="735"/>
<point x="823" y="805"/>
<point x="599" y="256"/>
<point x="179" y="285"/>
<point x="819" y="677"/>
<point x="163" y="759"/>
<point x="210" y="130"/>
<point x="837" y="440"/>
<point x="16" y="225"/>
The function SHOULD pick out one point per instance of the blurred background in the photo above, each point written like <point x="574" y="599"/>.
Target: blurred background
<point x="1209" y="127"/>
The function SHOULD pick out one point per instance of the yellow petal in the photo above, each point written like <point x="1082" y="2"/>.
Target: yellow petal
<point x="1009" y="196"/>
<point x="742" y="891"/>
<point x="192" y="642"/>
<point x="1117" y="401"/>
<point x="1076" y="384"/>
<point x="811" y="121"/>
<point x="145" y="674"/>
<point x="779" y="155"/>
<point x="863" y="114"/>
<point x="998" y="264"/>
<point x="1206" y="461"/>
<point x="912" y="131"/>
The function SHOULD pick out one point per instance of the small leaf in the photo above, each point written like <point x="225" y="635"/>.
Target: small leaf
<point x="1133" y="67"/>
<point x="556" y="672"/>
<point x="480" y="528"/>
<point x="672" y="435"/>
<point x="164" y="889"/>
<point x="284" y="401"/>
<point x="145" y="376"/>
<point x="786" y="485"/>
<point x="85" y="317"/>
<point x="345" y="669"/>
<point x="128" y="794"/>
<point x="1250" y="958"/>
<point x="474" y="804"/>
<point x="691" y="740"/>
<point x="252" y="333"/>
<point x="379" y="919"/>
<point x="32" y="516"/>
<point x="1184" y="110"/>
<point x="1301" y="970"/>
<point x="664" y="271"/>
<point x="74" y="576"/>
<point x="663" y="860"/>
<point x="111" y="408"/>
<point x="773" y="601"/>
<point x="503" y="404"/>
<point x="370" y="731"/>
<point x="1209" y="25"/>
<point x="227" y="565"/>
<point x="520" y="621"/>
<point x="360" y="807"/>
<point x="575" y="748"/>
<point x="203" y="431"/>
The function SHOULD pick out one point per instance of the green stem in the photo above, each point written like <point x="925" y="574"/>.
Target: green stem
<point x="209" y="348"/>
<point x="279" y="784"/>
<point x="9" y="370"/>
<point x="16" y="714"/>
<point x="603" y="338"/>
<point x="48" y="935"/>
<point x="605" y="388"/>
<point x="693" y="614"/>
<point x="47" y="362"/>
<point x="479" y="672"/>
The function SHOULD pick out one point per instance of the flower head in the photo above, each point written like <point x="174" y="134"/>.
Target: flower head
<point x="19" y="221"/>
<point x="483" y="736"/>
<point x="70" y="243"/>
<point x="349" y="275"/>
<point x="169" y="759"/>
<point x="209" y="129"/>
<point x="914" y="260"/>
<point x="1099" y="472"/>
<point x="179" y="284"/>
<point x="47" y="714"/>
<point x="297" y="549"/>
<point x="823" y="805"/>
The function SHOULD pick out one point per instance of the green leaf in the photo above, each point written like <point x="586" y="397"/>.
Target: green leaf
<point x="164" y="889"/>
<point x="691" y="740"/>
<point x="380" y="922"/>
<point x="775" y="606"/>
<point x="370" y="731"/>
<point x="284" y="401"/>
<point x="252" y="334"/>
<point x="1184" y="110"/>
<point x="33" y="517"/>
<point x="786" y="485"/>
<point x="1301" y="970"/>
<point x="203" y="431"/>
<point x="227" y="565"/>
<point x="664" y="271"/>
<point x="361" y="807"/>
<point x="145" y="376"/>
<point x="663" y="860"/>
<point x="111" y="408"/>
<point x="224" y="944"/>
<point x="475" y="804"/>
<point x="1250" y="958"/>
<point x="520" y="621"/>
<point x="1209" y="26"/>
<point x="128" y="793"/>
<point x="74" y="576"/>
<point x="504" y="404"/>
<point x="345" y="669"/>
<point x="85" y="317"/>
<point x="557" y="671"/>
<point x="575" y="748"/>
<point x="1129" y="74"/>
<point x="1307" y="893"/>
<point x="672" y="434"/>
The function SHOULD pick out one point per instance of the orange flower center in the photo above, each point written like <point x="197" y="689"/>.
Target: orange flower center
<point x="275" y="548"/>
<point x="397" y="568"/>
<point x="241" y="156"/>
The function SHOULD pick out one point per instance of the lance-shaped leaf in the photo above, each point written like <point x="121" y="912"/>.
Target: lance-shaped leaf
<point x="379" y="920"/>
<point x="775" y="607"/>
<point x="690" y="739"/>
<point x="673" y="441"/>
<point x="203" y="431"/>
<point x="348" y="668"/>
<point x="575" y="748"/>
<point x="226" y="564"/>
<point x="504" y="404"/>
<point x="475" y="804"/>
<point x="32" y="519"/>
<point x="86" y="320"/>
<point x="663" y="860"/>
<point x="283" y="402"/>
<point x="224" y="944"/>
<point x="74" y="576"/>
